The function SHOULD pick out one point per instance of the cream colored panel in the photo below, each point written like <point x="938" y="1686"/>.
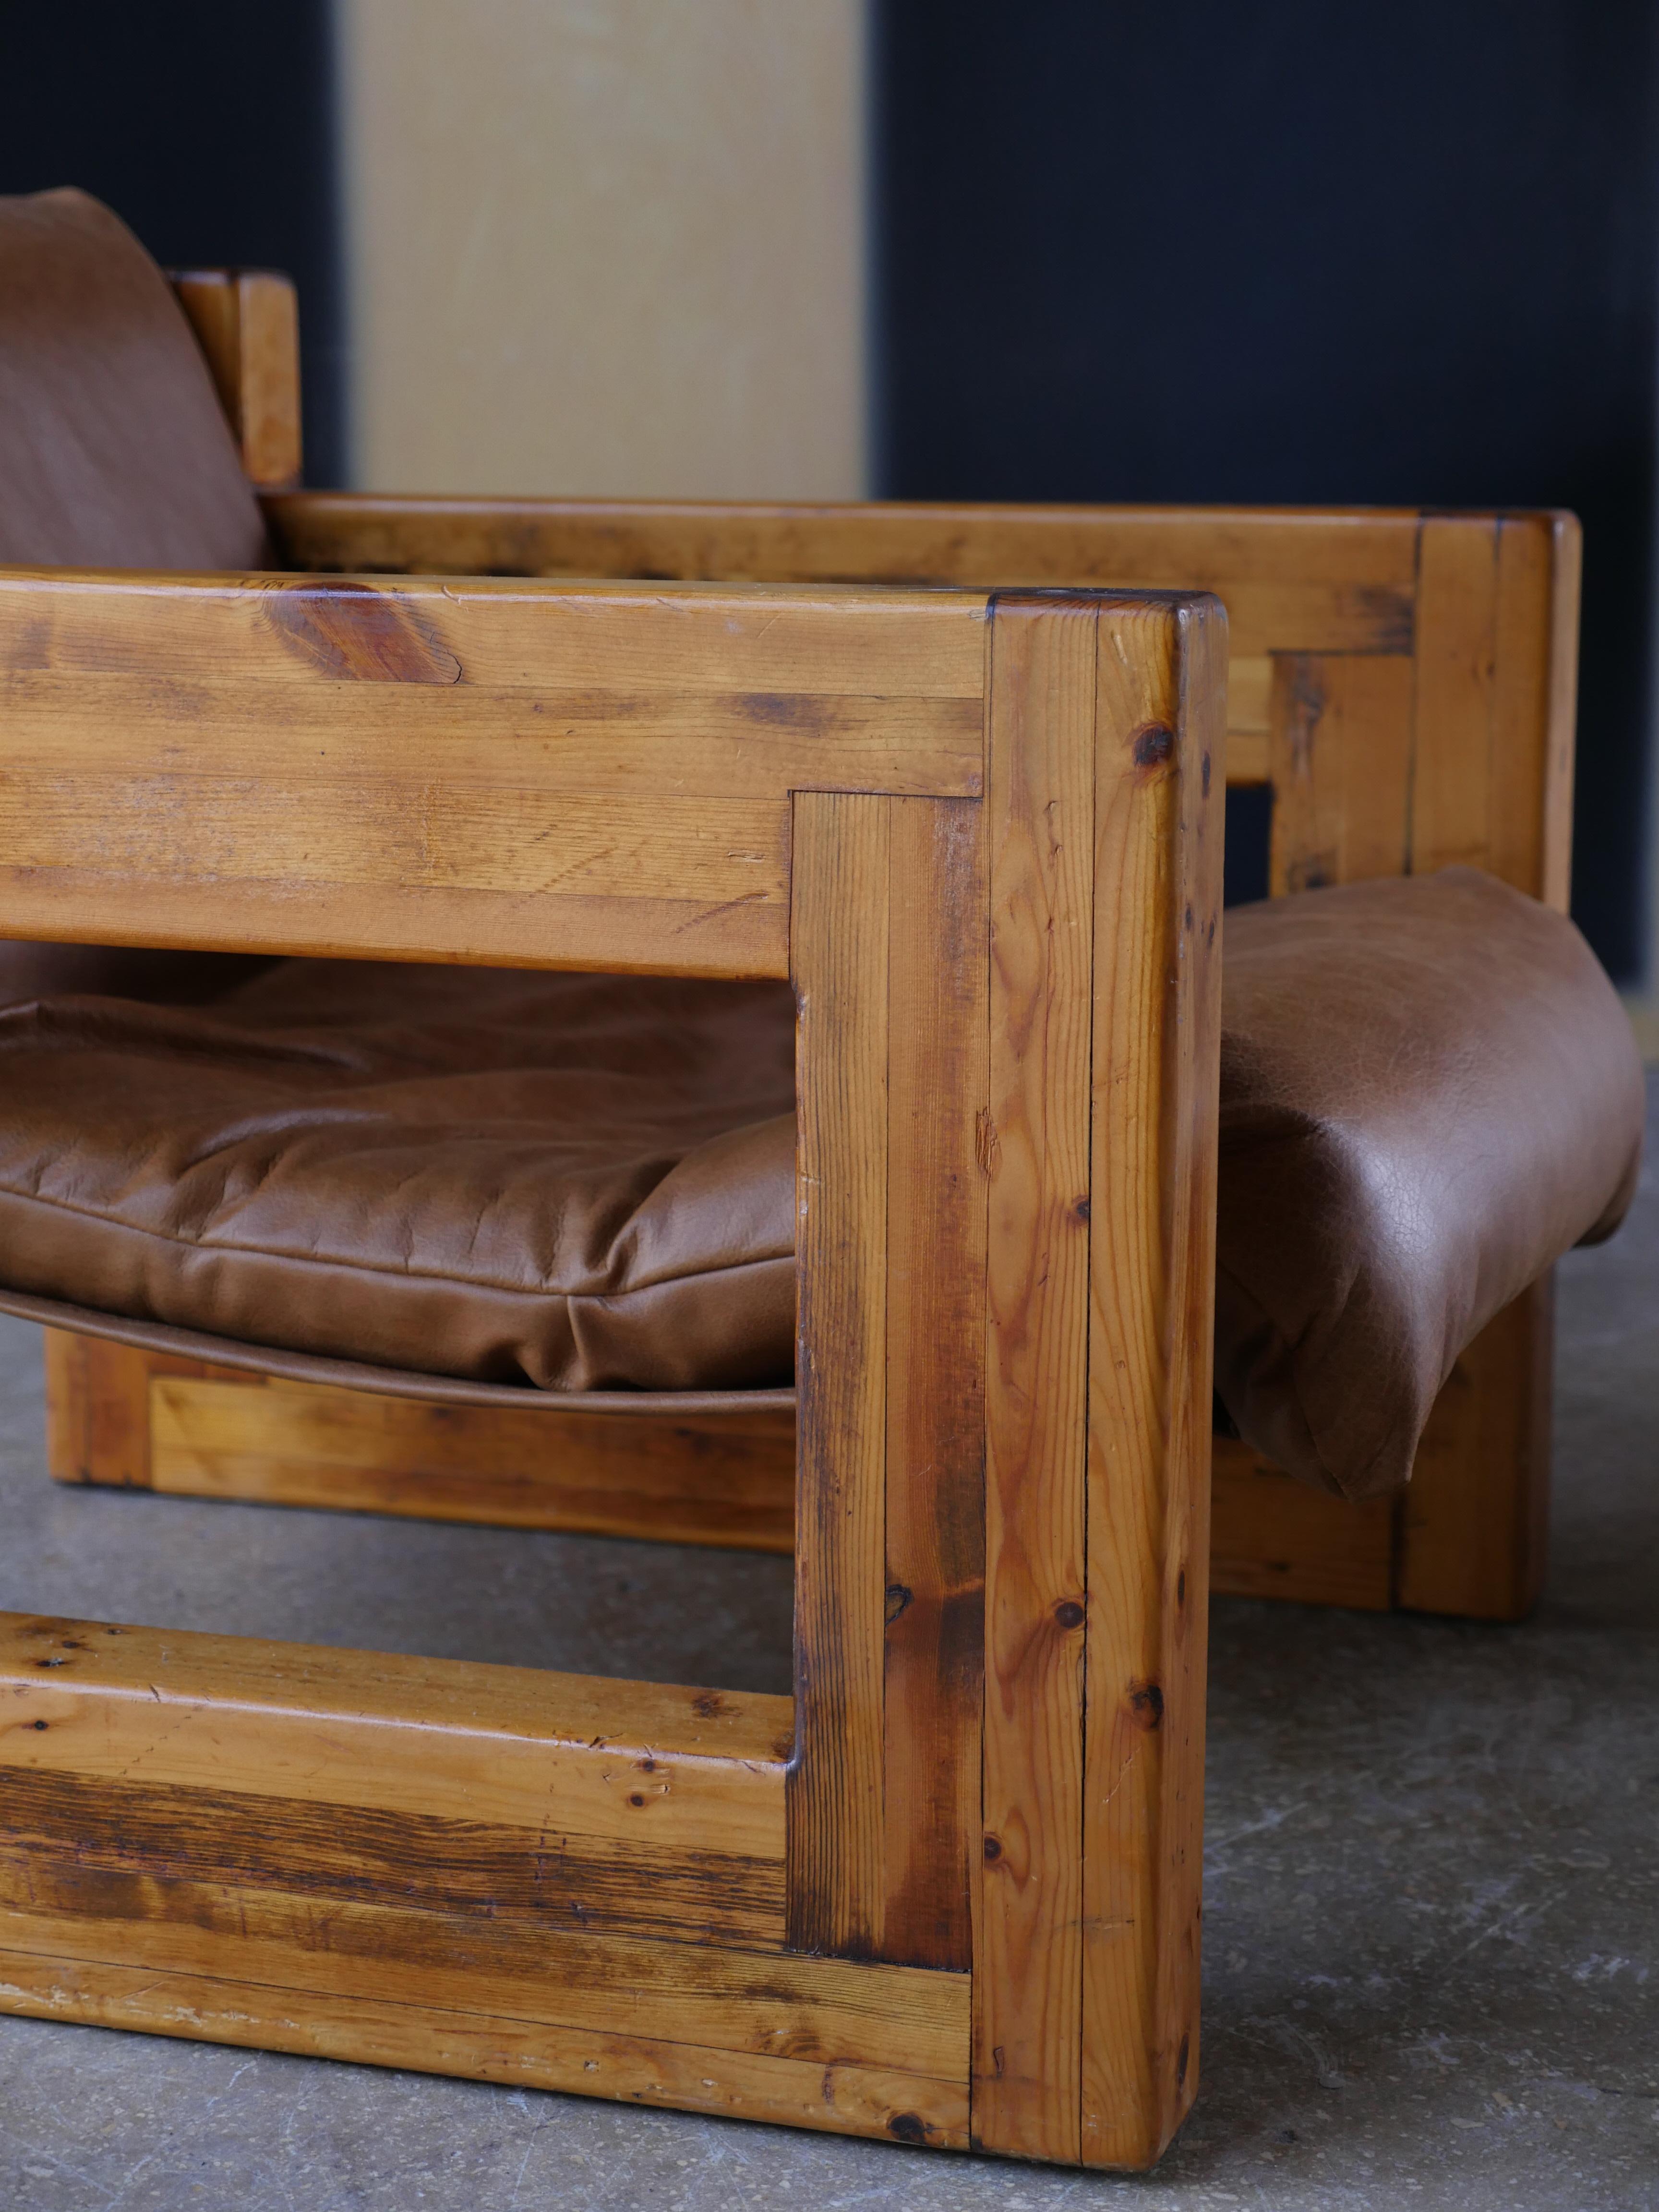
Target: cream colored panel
<point x="609" y="247"/>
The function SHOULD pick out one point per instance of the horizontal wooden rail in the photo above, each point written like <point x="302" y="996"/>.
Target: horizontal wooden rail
<point x="136" y="1420"/>
<point x="1317" y="581"/>
<point x="417" y="1860"/>
<point x="526" y="774"/>
<point x="1328" y="581"/>
<point x="448" y="1738"/>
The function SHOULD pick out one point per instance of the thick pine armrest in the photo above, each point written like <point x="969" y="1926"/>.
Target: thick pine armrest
<point x="526" y="773"/>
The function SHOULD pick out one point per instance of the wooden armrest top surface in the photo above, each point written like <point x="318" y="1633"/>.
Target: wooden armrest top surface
<point x="506" y="771"/>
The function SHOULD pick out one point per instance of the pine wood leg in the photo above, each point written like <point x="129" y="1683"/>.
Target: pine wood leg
<point x="1474" y="1523"/>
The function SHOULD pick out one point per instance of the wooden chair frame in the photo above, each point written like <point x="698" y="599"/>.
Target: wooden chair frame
<point x="949" y="1893"/>
<point x="1401" y="683"/>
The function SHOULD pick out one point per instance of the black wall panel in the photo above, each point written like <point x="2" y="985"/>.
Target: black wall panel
<point x="1293" y="252"/>
<point x="208" y="126"/>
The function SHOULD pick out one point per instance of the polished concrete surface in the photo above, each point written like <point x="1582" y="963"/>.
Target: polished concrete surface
<point x="1432" y="1973"/>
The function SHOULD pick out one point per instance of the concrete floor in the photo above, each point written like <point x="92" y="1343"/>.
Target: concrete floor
<point x="1432" y="1913"/>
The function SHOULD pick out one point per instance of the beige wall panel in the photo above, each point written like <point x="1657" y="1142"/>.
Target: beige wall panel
<point x="605" y="246"/>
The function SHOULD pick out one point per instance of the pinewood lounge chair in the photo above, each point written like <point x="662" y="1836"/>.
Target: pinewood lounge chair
<point x="955" y="777"/>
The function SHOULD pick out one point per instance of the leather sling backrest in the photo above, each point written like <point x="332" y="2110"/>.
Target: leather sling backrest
<point x="114" y="451"/>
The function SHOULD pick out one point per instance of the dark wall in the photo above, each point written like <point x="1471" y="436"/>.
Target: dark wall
<point x="1293" y="252"/>
<point x="208" y="125"/>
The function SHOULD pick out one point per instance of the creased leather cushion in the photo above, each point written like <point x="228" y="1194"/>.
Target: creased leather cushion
<point x="1429" y="1091"/>
<point x="114" y="451"/>
<point x="573" y="1181"/>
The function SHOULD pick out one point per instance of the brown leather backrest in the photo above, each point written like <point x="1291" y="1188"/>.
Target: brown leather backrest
<point x="114" y="451"/>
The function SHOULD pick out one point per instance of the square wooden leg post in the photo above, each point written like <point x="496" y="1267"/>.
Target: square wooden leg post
<point x="1474" y="1525"/>
<point x="1008" y="1049"/>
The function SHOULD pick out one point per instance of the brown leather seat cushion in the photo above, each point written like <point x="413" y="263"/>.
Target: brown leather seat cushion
<point x="1429" y="1091"/>
<point x="114" y="451"/>
<point x="573" y="1181"/>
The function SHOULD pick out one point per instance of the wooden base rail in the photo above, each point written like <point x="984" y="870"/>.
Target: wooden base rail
<point x="431" y="1863"/>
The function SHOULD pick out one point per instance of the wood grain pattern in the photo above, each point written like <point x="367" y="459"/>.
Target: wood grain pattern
<point x="840" y="961"/>
<point x="97" y="1411"/>
<point x="896" y="2104"/>
<point x="247" y="323"/>
<point x="773" y="646"/>
<point x="835" y="2011"/>
<point x="1340" y="765"/>
<point x="508" y="1746"/>
<point x="448" y="1846"/>
<point x="727" y="1480"/>
<point x="1474" y="1523"/>
<point x="1160" y="727"/>
<point x="722" y="745"/>
<point x="1520" y="806"/>
<point x="64" y="1833"/>
<point x="723" y="1479"/>
<point x="374" y="771"/>
<point x="391" y="833"/>
<point x="1273" y="1537"/>
<point x="386" y="921"/>
<point x="1456" y="647"/>
<point x="1497" y="651"/>
<point x="1028" y="1935"/>
<point x="1311" y="581"/>
<point x="936" y="1214"/>
<point x="1249" y="696"/>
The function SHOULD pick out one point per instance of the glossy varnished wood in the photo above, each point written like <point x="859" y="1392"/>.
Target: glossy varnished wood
<point x="1494" y="747"/>
<point x="121" y="1417"/>
<point x="1161" y="723"/>
<point x="1404" y="681"/>
<point x="247" y="323"/>
<point x="990" y="893"/>
<point x="1291" y="581"/>
<point x="116" y="1415"/>
<point x="1106" y="724"/>
<point x="937" y="1090"/>
<point x="1475" y="1524"/>
<point x="512" y="1748"/>
<point x="890" y="971"/>
<point x="1028" y="1986"/>
<point x="1340" y="760"/>
<point x="578" y="1876"/>
<point x="1328" y="580"/>
<point x="366" y="2026"/>
<point x="434" y="771"/>
<point x="840" y="957"/>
